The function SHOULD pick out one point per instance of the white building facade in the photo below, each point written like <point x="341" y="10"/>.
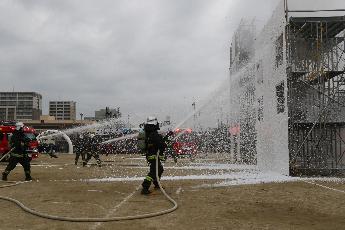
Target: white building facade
<point x="282" y="83"/>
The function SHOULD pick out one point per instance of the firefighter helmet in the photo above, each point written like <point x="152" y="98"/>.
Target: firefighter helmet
<point x="19" y="125"/>
<point x="151" y="120"/>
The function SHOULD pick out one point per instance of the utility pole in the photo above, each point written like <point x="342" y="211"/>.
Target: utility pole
<point x="81" y="116"/>
<point x="128" y="121"/>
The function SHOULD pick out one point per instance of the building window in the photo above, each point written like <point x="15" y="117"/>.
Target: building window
<point x="280" y="97"/>
<point x="279" y="51"/>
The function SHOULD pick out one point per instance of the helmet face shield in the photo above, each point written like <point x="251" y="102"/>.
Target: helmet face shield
<point x="19" y="125"/>
<point x="152" y="120"/>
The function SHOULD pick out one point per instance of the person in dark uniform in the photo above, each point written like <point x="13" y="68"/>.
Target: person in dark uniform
<point x="79" y="149"/>
<point x="155" y="142"/>
<point x="19" y="155"/>
<point x="92" y="149"/>
<point x="51" y="151"/>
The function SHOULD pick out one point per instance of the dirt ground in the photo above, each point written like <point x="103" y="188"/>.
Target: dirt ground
<point x="61" y="188"/>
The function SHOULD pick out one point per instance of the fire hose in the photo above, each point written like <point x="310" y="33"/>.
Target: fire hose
<point x="93" y="219"/>
<point x="5" y="155"/>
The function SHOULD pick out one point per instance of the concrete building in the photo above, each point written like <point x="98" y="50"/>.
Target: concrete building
<point x="107" y="113"/>
<point x="89" y="118"/>
<point x="21" y="106"/>
<point x="287" y="87"/>
<point x="47" y="118"/>
<point x="63" y="110"/>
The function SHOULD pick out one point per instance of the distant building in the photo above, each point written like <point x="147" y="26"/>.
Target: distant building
<point x="89" y="118"/>
<point x="107" y="113"/>
<point x="63" y="110"/>
<point x="20" y="106"/>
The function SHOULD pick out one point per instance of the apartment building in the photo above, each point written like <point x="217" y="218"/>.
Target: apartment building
<point x="63" y="110"/>
<point x="20" y="106"/>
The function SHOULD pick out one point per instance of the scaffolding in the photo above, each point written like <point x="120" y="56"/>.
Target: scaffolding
<point x="316" y="95"/>
<point x="301" y="132"/>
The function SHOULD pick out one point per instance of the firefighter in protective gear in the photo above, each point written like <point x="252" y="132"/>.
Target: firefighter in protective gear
<point x="79" y="149"/>
<point x="19" y="155"/>
<point x="155" y="142"/>
<point x="92" y="145"/>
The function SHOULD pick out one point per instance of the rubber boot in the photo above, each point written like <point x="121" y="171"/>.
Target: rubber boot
<point x="28" y="177"/>
<point x="4" y="176"/>
<point x="157" y="186"/>
<point x="145" y="191"/>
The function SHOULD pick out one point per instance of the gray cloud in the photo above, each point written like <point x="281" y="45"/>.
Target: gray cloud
<point x="147" y="57"/>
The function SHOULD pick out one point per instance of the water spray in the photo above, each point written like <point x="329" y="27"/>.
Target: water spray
<point x="219" y="90"/>
<point x="83" y="128"/>
<point x="90" y="219"/>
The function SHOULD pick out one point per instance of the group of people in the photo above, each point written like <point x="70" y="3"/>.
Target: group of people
<point x="86" y="146"/>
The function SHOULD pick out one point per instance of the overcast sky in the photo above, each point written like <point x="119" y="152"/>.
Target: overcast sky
<point x="144" y="56"/>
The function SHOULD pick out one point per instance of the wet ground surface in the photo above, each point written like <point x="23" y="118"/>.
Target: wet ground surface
<point x="211" y="194"/>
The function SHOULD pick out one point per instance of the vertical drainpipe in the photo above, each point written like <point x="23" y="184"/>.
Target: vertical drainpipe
<point x="286" y="8"/>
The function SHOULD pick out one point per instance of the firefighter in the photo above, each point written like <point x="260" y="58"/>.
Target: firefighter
<point x="79" y="149"/>
<point x="154" y="143"/>
<point x="51" y="151"/>
<point x="92" y="149"/>
<point x="19" y="155"/>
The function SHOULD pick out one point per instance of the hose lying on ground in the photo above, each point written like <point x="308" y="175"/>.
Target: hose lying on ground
<point x="13" y="183"/>
<point x="93" y="219"/>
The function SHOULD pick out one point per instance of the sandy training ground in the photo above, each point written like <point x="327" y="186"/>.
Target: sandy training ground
<point x="211" y="194"/>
